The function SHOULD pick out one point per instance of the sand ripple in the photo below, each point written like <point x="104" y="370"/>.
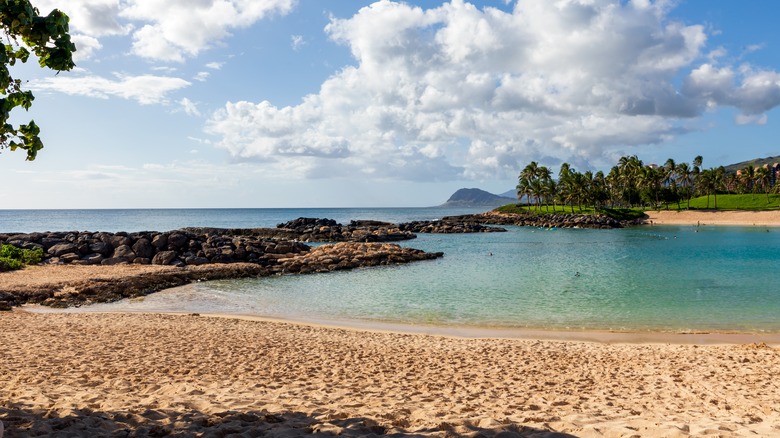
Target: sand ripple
<point x="156" y="375"/>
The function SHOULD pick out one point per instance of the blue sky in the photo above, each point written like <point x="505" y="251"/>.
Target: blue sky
<point x="305" y="103"/>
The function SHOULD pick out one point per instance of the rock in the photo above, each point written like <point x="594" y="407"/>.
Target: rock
<point x="143" y="248"/>
<point x="164" y="258"/>
<point x="118" y="240"/>
<point x="101" y="248"/>
<point x="70" y="257"/>
<point x="62" y="248"/>
<point x="160" y="241"/>
<point x="196" y="260"/>
<point x="124" y="252"/>
<point x="49" y="242"/>
<point x="114" y="261"/>
<point x="177" y="241"/>
<point x="92" y="259"/>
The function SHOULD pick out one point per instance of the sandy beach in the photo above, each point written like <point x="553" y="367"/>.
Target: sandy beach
<point x="187" y="375"/>
<point x="697" y="217"/>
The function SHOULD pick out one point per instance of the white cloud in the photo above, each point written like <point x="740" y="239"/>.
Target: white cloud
<point x="297" y="41"/>
<point x="145" y="89"/>
<point x="743" y="119"/>
<point x="189" y="107"/>
<point x="94" y="18"/>
<point x="455" y="91"/>
<point x="201" y="76"/>
<point x="215" y="65"/>
<point x="165" y="30"/>
<point x="86" y="46"/>
<point x="178" y="29"/>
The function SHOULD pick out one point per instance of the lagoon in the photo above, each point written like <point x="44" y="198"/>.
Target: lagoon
<point x="662" y="278"/>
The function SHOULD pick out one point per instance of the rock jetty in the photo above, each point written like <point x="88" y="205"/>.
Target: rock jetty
<point x="446" y="226"/>
<point x="175" y="248"/>
<point x="562" y="220"/>
<point x="350" y="255"/>
<point x="320" y="230"/>
<point x="181" y="257"/>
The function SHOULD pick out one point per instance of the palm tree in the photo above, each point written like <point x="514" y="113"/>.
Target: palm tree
<point x="530" y="171"/>
<point x="686" y="181"/>
<point x="579" y="188"/>
<point x="629" y="171"/>
<point x="697" y="163"/>
<point x="710" y="181"/>
<point x="565" y="175"/>
<point x="524" y="189"/>
<point x="599" y="191"/>
<point x="537" y="188"/>
<point x="748" y="176"/>
<point x="612" y="182"/>
<point x="706" y="183"/>
<point x="650" y="180"/>
<point x="696" y="171"/>
<point x="551" y="193"/>
<point x="763" y="179"/>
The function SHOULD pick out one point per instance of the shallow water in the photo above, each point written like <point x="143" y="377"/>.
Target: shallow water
<point x="668" y="278"/>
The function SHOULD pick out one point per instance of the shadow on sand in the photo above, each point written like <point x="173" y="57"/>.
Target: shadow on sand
<point x="23" y="422"/>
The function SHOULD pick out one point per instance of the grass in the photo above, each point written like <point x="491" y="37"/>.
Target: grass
<point x="757" y="202"/>
<point x="615" y="213"/>
<point x="726" y="202"/>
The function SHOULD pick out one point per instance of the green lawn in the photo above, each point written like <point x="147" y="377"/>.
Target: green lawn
<point x="734" y="202"/>
<point x="755" y="202"/>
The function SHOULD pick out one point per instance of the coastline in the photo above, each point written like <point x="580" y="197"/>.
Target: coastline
<point x="98" y="374"/>
<point x="714" y="218"/>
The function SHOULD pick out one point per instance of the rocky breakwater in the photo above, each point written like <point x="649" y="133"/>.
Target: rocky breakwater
<point x="175" y="248"/>
<point x="350" y="255"/>
<point x="328" y="230"/>
<point x="561" y="220"/>
<point x="83" y="268"/>
<point x="447" y="227"/>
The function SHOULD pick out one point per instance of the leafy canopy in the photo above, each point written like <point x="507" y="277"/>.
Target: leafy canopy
<point x="24" y="31"/>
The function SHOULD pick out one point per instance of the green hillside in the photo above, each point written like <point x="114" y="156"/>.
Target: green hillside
<point x="756" y="162"/>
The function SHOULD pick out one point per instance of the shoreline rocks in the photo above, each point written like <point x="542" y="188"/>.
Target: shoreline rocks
<point x="560" y="220"/>
<point x="351" y="255"/>
<point x="174" y="248"/>
<point x="128" y="280"/>
<point x="447" y="226"/>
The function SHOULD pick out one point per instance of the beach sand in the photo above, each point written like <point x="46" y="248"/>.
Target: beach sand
<point x="694" y="217"/>
<point x="187" y="375"/>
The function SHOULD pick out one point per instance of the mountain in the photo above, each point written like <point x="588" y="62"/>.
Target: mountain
<point x="509" y="194"/>
<point x="757" y="162"/>
<point x="476" y="198"/>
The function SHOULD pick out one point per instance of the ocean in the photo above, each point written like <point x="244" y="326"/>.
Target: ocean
<point x="660" y="278"/>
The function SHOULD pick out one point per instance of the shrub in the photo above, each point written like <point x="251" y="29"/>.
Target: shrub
<point x="13" y="258"/>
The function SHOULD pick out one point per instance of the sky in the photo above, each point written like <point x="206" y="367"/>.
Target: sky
<point x="351" y="103"/>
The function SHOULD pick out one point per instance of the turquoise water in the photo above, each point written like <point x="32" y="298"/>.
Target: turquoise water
<point x="666" y="278"/>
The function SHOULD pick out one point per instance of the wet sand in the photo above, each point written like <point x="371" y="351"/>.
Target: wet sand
<point x="141" y="374"/>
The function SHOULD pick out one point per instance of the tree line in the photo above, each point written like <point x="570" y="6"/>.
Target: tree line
<point x="631" y="183"/>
